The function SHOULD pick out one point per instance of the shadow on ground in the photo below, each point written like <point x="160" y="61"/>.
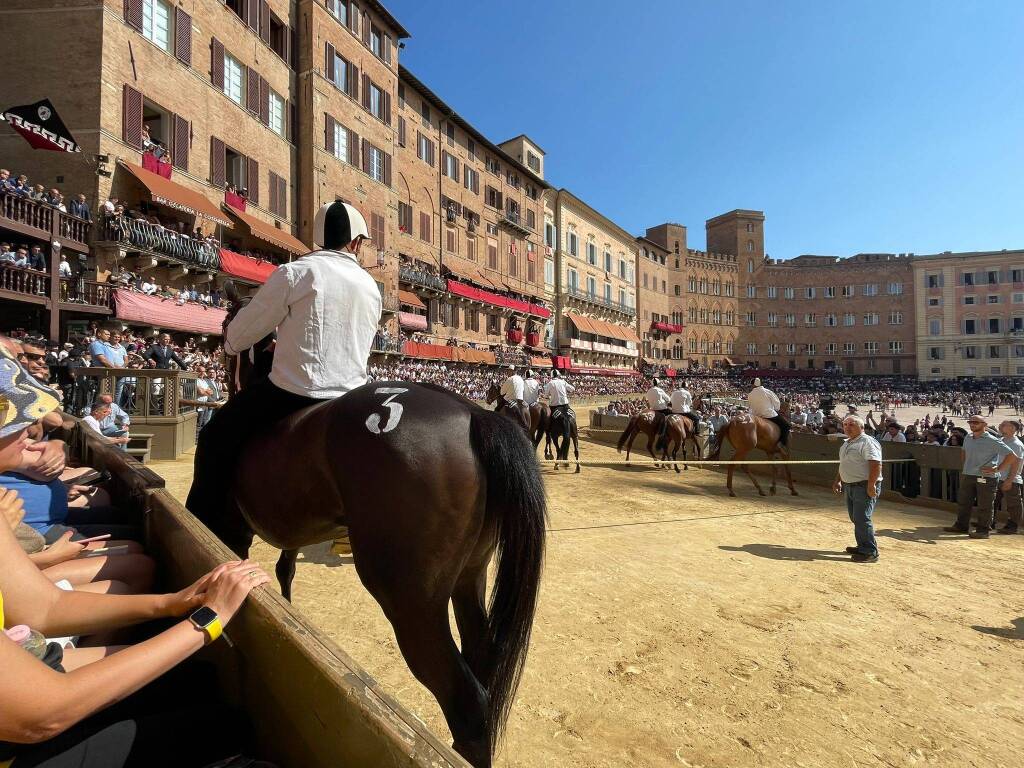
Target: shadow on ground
<point x="321" y="555"/>
<point x="1017" y="633"/>
<point x="779" y="552"/>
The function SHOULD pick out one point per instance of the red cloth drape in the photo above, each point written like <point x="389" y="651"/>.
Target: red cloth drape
<point x="245" y="267"/>
<point x="167" y="313"/>
<point x="469" y="292"/>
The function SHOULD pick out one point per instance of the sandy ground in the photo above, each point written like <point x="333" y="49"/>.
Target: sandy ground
<point x="680" y="628"/>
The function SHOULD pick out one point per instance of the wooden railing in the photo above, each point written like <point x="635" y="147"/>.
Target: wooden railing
<point x="142" y="392"/>
<point x="25" y="281"/>
<point x="82" y="291"/>
<point x="49" y="222"/>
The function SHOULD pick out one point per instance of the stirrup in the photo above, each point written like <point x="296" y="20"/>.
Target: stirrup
<point x="342" y="545"/>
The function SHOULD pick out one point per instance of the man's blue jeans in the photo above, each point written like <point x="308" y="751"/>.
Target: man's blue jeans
<point x="861" y="507"/>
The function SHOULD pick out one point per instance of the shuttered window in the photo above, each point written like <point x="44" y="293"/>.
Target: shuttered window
<point x="405" y="218"/>
<point x="401" y="131"/>
<point x="133" y="14"/>
<point x="217" y="170"/>
<point x="252" y="176"/>
<point x="183" y="37"/>
<point x="156" y="23"/>
<point x="377" y="229"/>
<point x="424" y="149"/>
<point x="425" y="227"/>
<point x="131" y="117"/>
<point x="181" y="142"/>
<point x="217" y="63"/>
<point x="252" y="92"/>
<point x="265" y="21"/>
<point x="278" y="189"/>
<point x="471" y="180"/>
<point x="234" y="78"/>
<point x="492" y="255"/>
<point x="275" y="107"/>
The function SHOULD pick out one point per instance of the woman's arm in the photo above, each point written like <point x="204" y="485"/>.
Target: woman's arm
<point x="41" y="703"/>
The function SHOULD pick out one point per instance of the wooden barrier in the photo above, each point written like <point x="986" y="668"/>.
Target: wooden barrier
<point x="311" y="705"/>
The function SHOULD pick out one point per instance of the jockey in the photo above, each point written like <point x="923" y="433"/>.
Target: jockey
<point x="557" y="392"/>
<point x="514" y="391"/>
<point x="682" y="402"/>
<point x="531" y="389"/>
<point x="326" y="309"/>
<point x="765" y="403"/>
<point x="659" y="402"/>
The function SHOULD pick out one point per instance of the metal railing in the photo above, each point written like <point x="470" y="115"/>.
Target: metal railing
<point x="160" y="241"/>
<point x="594" y="298"/>
<point x="141" y="392"/>
<point x="415" y="276"/>
<point x="389" y="344"/>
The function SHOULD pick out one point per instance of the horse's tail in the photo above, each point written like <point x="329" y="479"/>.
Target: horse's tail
<point x="719" y="439"/>
<point x="515" y="498"/>
<point x="626" y="433"/>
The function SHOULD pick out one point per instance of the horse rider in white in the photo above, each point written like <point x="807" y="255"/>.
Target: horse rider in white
<point x="513" y="389"/>
<point x="765" y="403"/>
<point x="659" y="401"/>
<point x="557" y="392"/>
<point x="531" y="389"/>
<point x="682" y="403"/>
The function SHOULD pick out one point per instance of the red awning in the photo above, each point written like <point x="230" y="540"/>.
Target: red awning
<point x="469" y="292"/>
<point x="430" y="351"/>
<point x="174" y="195"/>
<point x="470" y="355"/>
<point x="410" y="299"/>
<point x="657" y="325"/>
<point x="412" y="321"/>
<point x="541" y="362"/>
<point x="245" y="267"/>
<point x="268" y="233"/>
<point x="167" y="313"/>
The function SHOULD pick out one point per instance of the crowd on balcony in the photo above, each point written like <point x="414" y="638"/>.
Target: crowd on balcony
<point x="25" y="256"/>
<point x="20" y="186"/>
<point x="189" y="294"/>
<point x="143" y="229"/>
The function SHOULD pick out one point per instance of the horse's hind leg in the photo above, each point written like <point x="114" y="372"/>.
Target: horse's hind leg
<point x="575" y="447"/>
<point x="789" y="475"/>
<point x="286" y="571"/>
<point x="469" y="601"/>
<point x="740" y="455"/>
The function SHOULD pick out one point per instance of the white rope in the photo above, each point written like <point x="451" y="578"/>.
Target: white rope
<point x="622" y="462"/>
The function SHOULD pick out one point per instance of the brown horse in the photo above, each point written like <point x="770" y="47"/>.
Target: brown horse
<point x="429" y="486"/>
<point x="680" y="429"/>
<point x="745" y="433"/>
<point x="561" y="429"/>
<point x="540" y="415"/>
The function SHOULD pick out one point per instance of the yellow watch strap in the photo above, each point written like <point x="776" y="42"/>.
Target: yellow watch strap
<point x="213" y="630"/>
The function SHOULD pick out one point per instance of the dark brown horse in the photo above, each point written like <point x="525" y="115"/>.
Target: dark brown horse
<point x="746" y="433"/>
<point x="561" y="429"/>
<point x="680" y="430"/>
<point x="429" y="486"/>
<point x="540" y="414"/>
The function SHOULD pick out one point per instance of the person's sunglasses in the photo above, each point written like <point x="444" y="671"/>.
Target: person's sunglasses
<point x="32" y="357"/>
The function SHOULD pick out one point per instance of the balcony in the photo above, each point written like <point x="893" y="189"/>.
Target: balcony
<point x="668" y="328"/>
<point x="386" y="344"/>
<point x="44" y="222"/>
<point x="136" y="235"/>
<point x="594" y="298"/>
<point x="28" y="285"/>
<point x="418" y="277"/>
<point x="512" y="220"/>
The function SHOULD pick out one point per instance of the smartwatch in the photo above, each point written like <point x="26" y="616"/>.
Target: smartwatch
<point x="206" y="620"/>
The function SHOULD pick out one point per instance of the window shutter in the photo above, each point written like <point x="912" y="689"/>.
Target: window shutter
<point x="217" y="175"/>
<point x="265" y="21"/>
<point x="131" y="116"/>
<point x="366" y="157"/>
<point x="133" y="14"/>
<point x="273" y="191"/>
<point x="253" y="14"/>
<point x="386" y="44"/>
<point x="265" y="102"/>
<point x="353" y="148"/>
<point x="329" y="63"/>
<point x="353" y="81"/>
<point x="217" y="63"/>
<point x="181" y="141"/>
<point x="366" y="91"/>
<point x="387" y="169"/>
<point x="183" y="37"/>
<point x="252" y="91"/>
<point x="476" y="183"/>
<point x="366" y="30"/>
<point x="387" y="107"/>
<point x="329" y="133"/>
<point x="353" y="17"/>
<point x="252" y="179"/>
<point x="282" y="196"/>
<point x="456" y="163"/>
<point x="401" y="131"/>
<point x="292" y="113"/>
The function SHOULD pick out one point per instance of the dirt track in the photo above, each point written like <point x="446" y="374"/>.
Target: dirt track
<point x="678" y="627"/>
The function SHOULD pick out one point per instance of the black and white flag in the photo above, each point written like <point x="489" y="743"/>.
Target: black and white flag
<point x="42" y="127"/>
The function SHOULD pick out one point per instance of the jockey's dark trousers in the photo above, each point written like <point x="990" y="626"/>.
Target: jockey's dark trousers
<point x="250" y="411"/>
<point x="784" y="427"/>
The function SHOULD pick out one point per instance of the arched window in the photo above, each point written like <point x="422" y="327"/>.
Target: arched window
<point x="750" y="266"/>
<point x="750" y="246"/>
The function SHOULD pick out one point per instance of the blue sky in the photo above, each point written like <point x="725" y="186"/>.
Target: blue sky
<point x="856" y="127"/>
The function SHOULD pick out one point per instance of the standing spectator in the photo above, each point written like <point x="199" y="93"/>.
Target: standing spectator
<point x="981" y="450"/>
<point x="39" y="193"/>
<point x="163" y="354"/>
<point x="56" y="199"/>
<point x="99" y="350"/>
<point x="860" y="476"/>
<point x="893" y="434"/>
<point x="65" y="267"/>
<point x="80" y="208"/>
<point x="36" y="259"/>
<point x="1011" y="487"/>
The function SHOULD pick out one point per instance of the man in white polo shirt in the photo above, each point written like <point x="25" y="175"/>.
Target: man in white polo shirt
<point x="860" y="477"/>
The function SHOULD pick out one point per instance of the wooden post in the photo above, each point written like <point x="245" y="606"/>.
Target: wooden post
<point x="55" y="276"/>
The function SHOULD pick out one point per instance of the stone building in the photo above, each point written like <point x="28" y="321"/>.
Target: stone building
<point x="659" y="309"/>
<point x="595" y="287"/>
<point x="969" y="311"/>
<point x="855" y="314"/>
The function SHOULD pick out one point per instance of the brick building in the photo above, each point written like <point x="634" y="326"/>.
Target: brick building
<point x="595" y="286"/>
<point x="659" y="309"/>
<point x="969" y="310"/>
<point x="855" y="314"/>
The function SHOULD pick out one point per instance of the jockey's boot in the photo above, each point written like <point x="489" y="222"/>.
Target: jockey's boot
<point x="341" y="545"/>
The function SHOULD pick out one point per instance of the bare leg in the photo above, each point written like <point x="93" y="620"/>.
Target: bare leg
<point x="136" y="571"/>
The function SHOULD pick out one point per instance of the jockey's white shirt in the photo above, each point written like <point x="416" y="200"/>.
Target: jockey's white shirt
<point x="513" y="388"/>
<point x="763" y="402"/>
<point x="558" y="391"/>
<point x="531" y="391"/>
<point x="658" y="399"/>
<point x="326" y="309"/>
<point x="682" y="401"/>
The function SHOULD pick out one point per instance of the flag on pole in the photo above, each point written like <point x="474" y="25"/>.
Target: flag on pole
<point x="42" y="127"/>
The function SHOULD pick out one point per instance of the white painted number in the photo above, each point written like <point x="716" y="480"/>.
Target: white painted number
<point x="394" y="411"/>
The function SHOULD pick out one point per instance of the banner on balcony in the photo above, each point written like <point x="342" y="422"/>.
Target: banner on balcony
<point x="41" y="127"/>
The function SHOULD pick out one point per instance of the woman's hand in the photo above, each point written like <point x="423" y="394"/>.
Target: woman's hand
<point x="64" y="549"/>
<point x="217" y="589"/>
<point x="44" y="461"/>
<point x="11" y="507"/>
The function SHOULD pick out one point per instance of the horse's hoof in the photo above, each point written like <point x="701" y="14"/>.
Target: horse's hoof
<point x="771" y="491"/>
<point x="577" y="471"/>
<point x="732" y="494"/>
<point x="794" y="493"/>
<point x="761" y="492"/>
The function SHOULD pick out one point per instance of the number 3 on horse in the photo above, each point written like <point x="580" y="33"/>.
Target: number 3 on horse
<point x="394" y="411"/>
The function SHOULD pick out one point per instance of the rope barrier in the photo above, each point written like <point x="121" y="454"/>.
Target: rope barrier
<point x="621" y="462"/>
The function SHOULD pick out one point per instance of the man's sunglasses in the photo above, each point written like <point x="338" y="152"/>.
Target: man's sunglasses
<point x="32" y="357"/>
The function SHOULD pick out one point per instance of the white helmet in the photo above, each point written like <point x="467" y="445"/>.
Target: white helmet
<point x="337" y="224"/>
<point x="757" y="382"/>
